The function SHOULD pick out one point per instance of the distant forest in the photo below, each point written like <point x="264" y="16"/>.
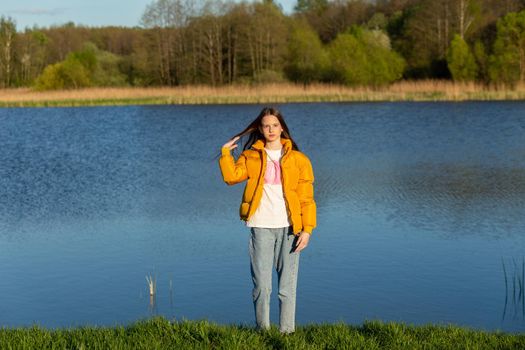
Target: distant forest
<point x="351" y="42"/>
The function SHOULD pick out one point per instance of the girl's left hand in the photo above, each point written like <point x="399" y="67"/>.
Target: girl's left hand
<point x="302" y="241"/>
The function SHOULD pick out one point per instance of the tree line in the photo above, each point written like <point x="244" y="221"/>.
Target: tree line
<point x="214" y="42"/>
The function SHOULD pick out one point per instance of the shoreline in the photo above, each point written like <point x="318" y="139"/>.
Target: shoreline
<point x="405" y="91"/>
<point x="160" y="333"/>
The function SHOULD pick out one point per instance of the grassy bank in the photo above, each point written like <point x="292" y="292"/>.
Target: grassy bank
<point x="267" y="94"/>
<point x="159" y="333"/>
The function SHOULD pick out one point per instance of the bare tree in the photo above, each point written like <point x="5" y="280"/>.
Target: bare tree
<point x="167" y="18"/>
<point x="7" y="43"/>
<point x="265" y="38"/>
<point x="32" y="54"/>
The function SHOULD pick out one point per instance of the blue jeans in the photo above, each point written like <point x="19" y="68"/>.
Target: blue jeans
<point x="269" y="248"/>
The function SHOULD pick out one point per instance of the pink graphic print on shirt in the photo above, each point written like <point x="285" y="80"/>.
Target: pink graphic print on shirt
<point x="273" y="173"/>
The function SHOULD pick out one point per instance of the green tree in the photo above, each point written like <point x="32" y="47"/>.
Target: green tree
<point x="385" y="65"/>
<point x="103" y="67"/>
<point x="69" y="74"/>
<point x="109" y="70"/>
<point x="87" y="67"/>
<point x="481" y="57"/>
<point x="507" y="64"/>
<point x="358" y="58"/>
<point x="75" y="74"/>
<point x="307" y="59"/>
<point x="52" y="78"/>
<point x="87" y="57"/>
<point x="461" y="61"/>
<point x="349" y="60"/>
<point x="378" y="21"/>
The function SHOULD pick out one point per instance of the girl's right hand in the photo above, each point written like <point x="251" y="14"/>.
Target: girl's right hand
<point x="231" y="144"/>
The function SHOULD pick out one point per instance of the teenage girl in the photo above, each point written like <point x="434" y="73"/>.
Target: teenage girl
<point x="278" y="205"/>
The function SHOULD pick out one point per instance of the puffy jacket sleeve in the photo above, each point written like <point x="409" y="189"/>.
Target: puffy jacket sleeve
<point x="305" y="192"/>
<point x="232" y="172"/>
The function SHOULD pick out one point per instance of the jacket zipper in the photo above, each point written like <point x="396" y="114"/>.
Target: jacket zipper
<point x="261" y="177"/>
<point x="263" y="169"/>
<point x="284" y="195"/>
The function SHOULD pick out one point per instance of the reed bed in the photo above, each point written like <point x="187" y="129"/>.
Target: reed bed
<point x="159" y="333"/>
<point x="429" y="90"/>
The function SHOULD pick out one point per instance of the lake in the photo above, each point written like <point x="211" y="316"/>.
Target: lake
<point x="420" y="214"/>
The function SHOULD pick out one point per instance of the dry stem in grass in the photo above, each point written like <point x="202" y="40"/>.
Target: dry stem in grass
<point x="427" y="89"/>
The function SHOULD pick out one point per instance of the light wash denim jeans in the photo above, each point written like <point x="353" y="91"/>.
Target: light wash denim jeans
<point x="269" y="248"/>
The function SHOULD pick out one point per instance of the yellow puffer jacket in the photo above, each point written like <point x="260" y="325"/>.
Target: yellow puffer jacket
<point x="297" y="178"/>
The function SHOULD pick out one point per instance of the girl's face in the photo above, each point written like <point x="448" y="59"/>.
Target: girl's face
<point x="271" y="128"/>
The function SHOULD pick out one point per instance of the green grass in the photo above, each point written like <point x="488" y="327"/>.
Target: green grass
<point x="159" y="333"/>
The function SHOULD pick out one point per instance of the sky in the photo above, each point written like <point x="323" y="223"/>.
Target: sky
<point x="45" y="13"/>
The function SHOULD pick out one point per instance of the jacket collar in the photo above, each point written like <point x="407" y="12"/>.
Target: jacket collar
<point x="287" y="145"/>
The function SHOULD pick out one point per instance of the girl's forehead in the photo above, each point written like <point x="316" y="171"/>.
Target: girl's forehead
<point x="267" y="119"/>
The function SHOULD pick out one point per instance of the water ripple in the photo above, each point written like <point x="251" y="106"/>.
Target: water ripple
<point x="451" y="198"/>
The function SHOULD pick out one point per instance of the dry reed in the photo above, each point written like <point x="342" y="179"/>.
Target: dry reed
<point x="428" y="90"/>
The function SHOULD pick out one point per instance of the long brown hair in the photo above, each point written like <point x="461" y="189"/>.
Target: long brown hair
<point x="253" y="133"/>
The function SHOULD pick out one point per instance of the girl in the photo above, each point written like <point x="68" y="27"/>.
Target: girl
<point x="278" y="206"/>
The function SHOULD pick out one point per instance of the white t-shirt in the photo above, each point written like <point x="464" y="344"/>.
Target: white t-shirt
<point x="271" y="211"/>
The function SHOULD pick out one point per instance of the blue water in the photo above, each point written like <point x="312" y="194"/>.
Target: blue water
<point x="420" y="214"/>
